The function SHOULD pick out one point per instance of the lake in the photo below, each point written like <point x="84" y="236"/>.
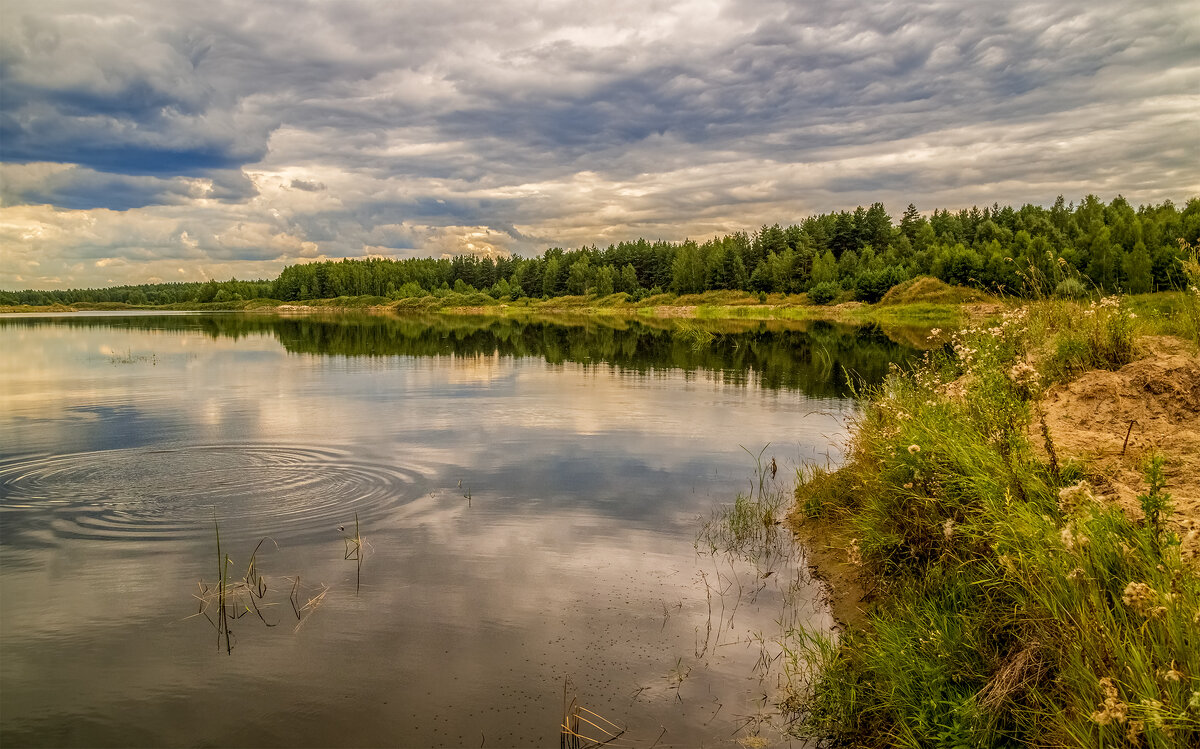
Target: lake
<point x="529" y="496"/>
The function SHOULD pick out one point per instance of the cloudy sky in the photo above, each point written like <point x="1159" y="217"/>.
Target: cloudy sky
<point x="147" y="140"/>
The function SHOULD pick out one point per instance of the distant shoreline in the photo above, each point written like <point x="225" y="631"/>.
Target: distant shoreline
<point x="918" y="305"/>
<point x="934" y="304"/>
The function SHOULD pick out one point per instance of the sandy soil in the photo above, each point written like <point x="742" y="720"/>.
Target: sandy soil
<point x="674" y="311"/>
<point x="825" y="546"/>
<point x="1156" y="402"/>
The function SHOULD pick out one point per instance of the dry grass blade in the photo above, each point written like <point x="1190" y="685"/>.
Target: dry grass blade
<point x="231" y="599"/>
<point x="1018" y="672"/>
<point x="355" y="551"/>
<point x="598" y="732"/>
<point x="305" y="611"/>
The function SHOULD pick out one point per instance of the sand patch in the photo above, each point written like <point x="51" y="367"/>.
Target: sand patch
<point x="1154" y="401"/>
<point x="675" y="311"/>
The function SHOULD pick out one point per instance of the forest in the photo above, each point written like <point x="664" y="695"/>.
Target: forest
<point x="1066" y="250"/>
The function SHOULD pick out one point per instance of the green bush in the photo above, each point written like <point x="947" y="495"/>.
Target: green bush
<point x="871" y="285"/>
<point x="1070" y="288"/>
<point x="824" y="293"/>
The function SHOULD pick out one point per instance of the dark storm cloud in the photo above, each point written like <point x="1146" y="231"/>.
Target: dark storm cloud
<point x="306" y="185"/>
<point x="81" y="189"/>
<point x="790" y="90"/>
<point x="77" y="188"/>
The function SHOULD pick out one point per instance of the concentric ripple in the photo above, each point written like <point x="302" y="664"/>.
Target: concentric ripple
<point x="144" y="493"/>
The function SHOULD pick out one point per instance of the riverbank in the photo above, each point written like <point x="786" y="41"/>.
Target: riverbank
<point x="920" y="301"/>
<point x="1006" y="571"/>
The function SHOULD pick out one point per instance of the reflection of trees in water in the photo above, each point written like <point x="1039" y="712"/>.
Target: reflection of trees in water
<point x="813" y="357"/>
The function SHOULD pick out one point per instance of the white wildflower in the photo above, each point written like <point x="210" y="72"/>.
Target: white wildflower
<point x="1112" y="710"/>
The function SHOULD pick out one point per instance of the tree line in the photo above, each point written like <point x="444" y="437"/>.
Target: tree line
<point x="1065" y="249"/>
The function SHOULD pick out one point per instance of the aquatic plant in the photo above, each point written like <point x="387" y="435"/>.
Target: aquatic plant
<point x="354" y="551"/>
<point x="749" y="526"/>
<point x="130" y="358"/>
<point x="232" y="598"/>
<point x="229" y="599"/>
<point x="582" y="728"/>
<point x="694" y="335"/>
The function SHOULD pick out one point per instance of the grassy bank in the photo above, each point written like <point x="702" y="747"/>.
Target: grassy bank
<point x="1004" y="600"/>
<point x="929" y="302"/>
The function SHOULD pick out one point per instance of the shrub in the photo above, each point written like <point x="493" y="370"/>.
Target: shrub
<point x="824" y="293"/>
<point x="1070" y="288"/>
<point x="871" y="285"/>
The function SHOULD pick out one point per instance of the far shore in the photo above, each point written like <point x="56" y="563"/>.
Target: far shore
<point x="947" y="307"/>
<point x="920" y="304"/>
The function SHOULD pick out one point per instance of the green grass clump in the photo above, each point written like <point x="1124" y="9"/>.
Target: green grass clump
<point x="749" y="527"/>
<point x="1189" y="316"/>
<point x="927" y="290"/>
<point x="1012" y="607"/>
<point x="1078" y="337"/>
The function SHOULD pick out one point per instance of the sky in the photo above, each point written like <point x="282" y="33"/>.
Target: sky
<point x="147" y="141"/>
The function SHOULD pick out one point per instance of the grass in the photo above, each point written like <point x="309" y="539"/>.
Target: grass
<point x="1011" y="607"/>
<point x="355" y="551"/>
<point x="748" y="528"/>
<point x="930" y="291"/>
<point x="1189" y="315"/>
<point x="230" y="598"/>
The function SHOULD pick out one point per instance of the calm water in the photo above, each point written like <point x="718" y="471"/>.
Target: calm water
<point x="529" y="496"/>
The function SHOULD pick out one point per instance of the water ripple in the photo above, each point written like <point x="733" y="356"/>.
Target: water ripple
<point x="149" y="494"/>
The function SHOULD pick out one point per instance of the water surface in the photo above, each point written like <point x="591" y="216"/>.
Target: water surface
<point x="529" y="495"/>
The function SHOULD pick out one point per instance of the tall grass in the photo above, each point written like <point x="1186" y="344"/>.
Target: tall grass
<point x="1014" y="609"/>
<point x="1190" y="316"/>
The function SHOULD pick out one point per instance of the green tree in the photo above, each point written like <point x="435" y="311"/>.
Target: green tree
<point x="501" y="289"/>
<point x="579" y="278"/>
<point x="605" y="278"/>
<point x="1139" y="276"/>
<point x="956" y="264"/>
<point x="688" y="270"/>
<point x="824" y="270"/>
<point x="847" y="265"/>
<point x="877" y="227"/>
<point x="628" y="281"/>
<point x="726" y="271"/>
<point x="768" y="276"/>
<point x="1102" y="258"/>
<point x="910" y="222"/>
<point x="551" y="278"/>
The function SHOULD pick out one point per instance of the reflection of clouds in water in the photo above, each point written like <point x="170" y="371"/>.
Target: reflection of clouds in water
<point x="43" y="380"/>
<point x="483" y="413"/>
<point x="574" y="557"/>
<point x="475" y="606"/>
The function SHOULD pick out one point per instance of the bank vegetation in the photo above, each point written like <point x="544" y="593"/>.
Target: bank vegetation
<point x="1014" y="539"/>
